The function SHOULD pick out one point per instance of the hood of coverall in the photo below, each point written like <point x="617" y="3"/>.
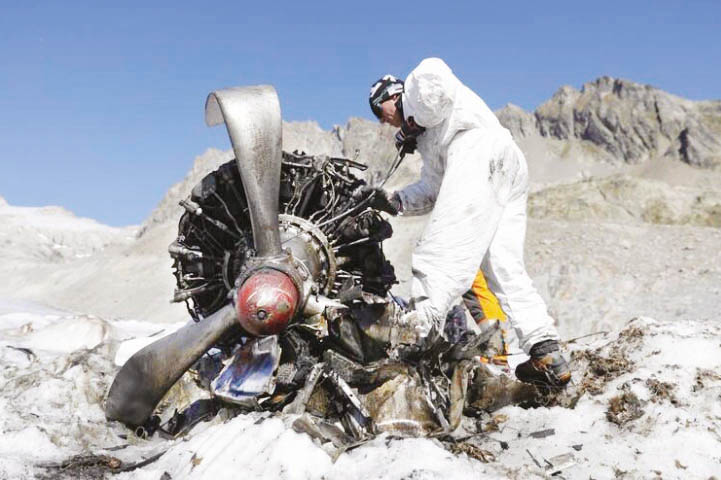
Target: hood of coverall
<point x="438" y="101"/>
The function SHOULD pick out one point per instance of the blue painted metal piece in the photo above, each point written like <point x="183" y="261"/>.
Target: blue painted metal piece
<point x="250" y="373"/>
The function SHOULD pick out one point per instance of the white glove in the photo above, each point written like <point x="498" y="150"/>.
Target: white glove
<point x="419" y="323"/>
<point x="411" y="329"/>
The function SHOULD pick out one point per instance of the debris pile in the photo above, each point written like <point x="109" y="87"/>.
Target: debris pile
<point x="602" y="365"/>
<point x="356" y="382"/>
<point x="53" y="399"/>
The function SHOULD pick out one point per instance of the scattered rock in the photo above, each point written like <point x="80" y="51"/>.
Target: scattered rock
<point x="703" y="376"/>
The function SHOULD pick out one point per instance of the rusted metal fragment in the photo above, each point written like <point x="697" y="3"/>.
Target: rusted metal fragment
<point x="401" y="407"/>
<point x="319" y="402"/>
<point x="490" y="392"/>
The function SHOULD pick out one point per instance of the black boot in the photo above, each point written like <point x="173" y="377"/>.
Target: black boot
<point x="545" y="367"/>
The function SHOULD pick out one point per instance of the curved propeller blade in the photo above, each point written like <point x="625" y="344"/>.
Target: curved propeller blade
<point x="252" y="118"/>
<point x="145" y="378"/>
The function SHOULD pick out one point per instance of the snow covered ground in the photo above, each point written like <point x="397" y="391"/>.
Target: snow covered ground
<point x="650" y="407"/>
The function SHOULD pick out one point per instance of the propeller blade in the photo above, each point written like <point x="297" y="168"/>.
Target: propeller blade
<point x="252" y="118"/>
<point x="145" y="378"/>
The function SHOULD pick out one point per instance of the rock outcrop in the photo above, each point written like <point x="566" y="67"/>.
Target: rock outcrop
<point x="520" y="122"/>
<point x="631" y="122"/>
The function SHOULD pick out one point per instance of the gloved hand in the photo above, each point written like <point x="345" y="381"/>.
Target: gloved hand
<point x="419" y="323"/>
<point x="382" y="199"/>
<point x="406" y="137"/>
<point x="412" y="329"/>
<point x="368" y="224"/>
<point x="405" y="144"/>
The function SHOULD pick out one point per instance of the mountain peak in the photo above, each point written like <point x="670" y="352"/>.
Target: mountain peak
<point x="632" y="122"/>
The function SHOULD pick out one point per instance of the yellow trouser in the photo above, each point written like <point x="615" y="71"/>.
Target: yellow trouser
<point x="484" y="308"/>
<point x="481" y="301"/>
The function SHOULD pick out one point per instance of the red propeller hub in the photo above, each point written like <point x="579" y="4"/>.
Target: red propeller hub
<point x="266" y="302"/>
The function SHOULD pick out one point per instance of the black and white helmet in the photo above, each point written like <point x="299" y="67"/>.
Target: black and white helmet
<point x="382" y="90"/>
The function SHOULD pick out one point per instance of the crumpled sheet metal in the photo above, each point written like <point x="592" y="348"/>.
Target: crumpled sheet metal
<point x="249" y="373"/>
<point x="364" y="376"/>
<point x="401" y="407"/>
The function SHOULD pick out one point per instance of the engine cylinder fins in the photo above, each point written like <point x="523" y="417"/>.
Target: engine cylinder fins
<point x="221" y="196"/>
<point x="175" y="249"/>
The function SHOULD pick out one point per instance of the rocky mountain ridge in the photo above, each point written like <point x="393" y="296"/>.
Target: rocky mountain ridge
<point x="629" y="122"/>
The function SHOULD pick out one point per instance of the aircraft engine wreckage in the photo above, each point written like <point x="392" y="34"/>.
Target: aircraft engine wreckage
<point x="281" y="266"/>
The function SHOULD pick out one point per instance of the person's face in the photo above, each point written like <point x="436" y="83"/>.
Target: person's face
<point x="389" y="113"/>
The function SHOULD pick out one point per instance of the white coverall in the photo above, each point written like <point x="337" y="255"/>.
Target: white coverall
<point x="474" y="181"/>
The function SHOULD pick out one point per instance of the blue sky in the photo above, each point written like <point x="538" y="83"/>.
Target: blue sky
<point x="101" y="108"/>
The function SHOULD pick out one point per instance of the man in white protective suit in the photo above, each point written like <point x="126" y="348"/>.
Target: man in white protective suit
<point x="474" y="183"/>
